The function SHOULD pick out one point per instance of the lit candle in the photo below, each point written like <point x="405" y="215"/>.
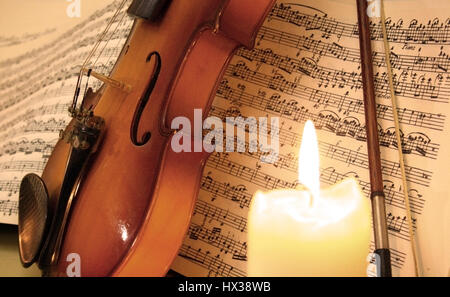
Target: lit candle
<point x="309" y="232"/>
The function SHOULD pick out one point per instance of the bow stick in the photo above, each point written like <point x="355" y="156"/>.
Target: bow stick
<point x="399" y="142"/>
<point x="373" y="147"/>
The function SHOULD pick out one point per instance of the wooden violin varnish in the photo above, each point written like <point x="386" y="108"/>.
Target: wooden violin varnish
<point x="113" y="191"/>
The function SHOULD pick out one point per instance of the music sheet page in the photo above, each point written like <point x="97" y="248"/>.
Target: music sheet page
<point x="38" y="74"/>
<point x="306" y="65"/>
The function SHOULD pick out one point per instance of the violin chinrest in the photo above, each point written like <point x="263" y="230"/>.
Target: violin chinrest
<point x="33" y="217"/>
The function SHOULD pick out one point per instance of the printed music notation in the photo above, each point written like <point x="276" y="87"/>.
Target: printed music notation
<point x="221" y="162"/>
<point x="27" y="147"/>
<point x="306" y="65"/>
<point x="36" y="90"/>
<point x="432" y="64"/>
<point x="8" y="207"/>
<point x="15" y="40"/>
<point x="240" y="194"/>
<point x="415" y="143"/>
<point x="345" y="155"/>
<point x="235" y="193"/>
<point x="393" y="191"/>
<point x="32" y="127"/>
<point x="30" y="114"/>
<point x="389" y="168"/>
<point x="411" y="85"/>
<point x="214" y="265"/>
<point x="343" y="104"/>
<point x="418" y="88"/>
<point x="329" y="175"/>
<point x="397" y="225"/>
<point x="22" y="166"/>
<point x="11" y="187"/>
<point x="222" y="216"/>
<point x="225" y="243"/>
<point x="433" y="31"/>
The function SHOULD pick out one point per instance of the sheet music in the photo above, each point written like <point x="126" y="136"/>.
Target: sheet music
<point x="36" y="89"/>
<point x="306" y="65"/>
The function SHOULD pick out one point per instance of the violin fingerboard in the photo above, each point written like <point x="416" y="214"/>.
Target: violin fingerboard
<point x="150" y="10"/>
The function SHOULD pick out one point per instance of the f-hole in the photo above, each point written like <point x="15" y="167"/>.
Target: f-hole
<point x="143" y="102"/>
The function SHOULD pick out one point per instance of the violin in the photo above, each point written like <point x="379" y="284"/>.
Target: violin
<point x="114" y="192"/>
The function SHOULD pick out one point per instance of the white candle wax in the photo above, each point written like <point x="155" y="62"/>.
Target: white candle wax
<point x="309" y="232"/>
<point x="289" y="237"/>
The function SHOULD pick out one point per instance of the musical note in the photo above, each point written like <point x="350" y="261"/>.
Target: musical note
<point x="220" y="215"/>
<point x="408" y="85"/>
<point x="424" y="88"/>
<point x="435" y="31"/>
<point x="397" y="226"/>
<point x="8" y="207"/>
<point x="214" y="265"/>
<point x="28" y="147"/>
<point x="235" y="193"/>
<point x="414" y="143"/>
<point x="214" y="237"/>
<point x="343" y="104"/>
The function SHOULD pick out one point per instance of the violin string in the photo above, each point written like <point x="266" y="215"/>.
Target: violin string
<point x="93" y="65"/>
<point x="80" y="76"/>
<point x="109" y="39"/>
<point x="399" y="141"/>
<point x="118" y="41"/>
<point x="102" y="36"/>
<point x="87" y="84"/>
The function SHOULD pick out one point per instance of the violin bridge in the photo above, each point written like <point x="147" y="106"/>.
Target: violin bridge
<point x="110" y="81"/>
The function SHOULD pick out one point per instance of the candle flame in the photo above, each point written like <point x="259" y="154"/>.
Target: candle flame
<point x="308" y="160"/>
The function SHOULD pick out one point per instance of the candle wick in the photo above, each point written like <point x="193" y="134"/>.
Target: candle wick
<point x="311" y="198"/>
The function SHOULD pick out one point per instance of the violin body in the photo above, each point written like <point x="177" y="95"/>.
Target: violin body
<point x="131" y="210"/>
